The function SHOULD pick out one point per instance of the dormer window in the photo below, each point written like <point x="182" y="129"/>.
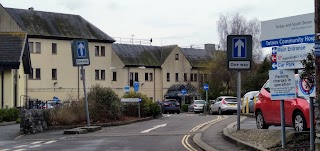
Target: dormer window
<point x="177" y="56"/>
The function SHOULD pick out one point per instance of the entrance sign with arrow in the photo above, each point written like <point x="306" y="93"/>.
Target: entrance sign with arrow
<point x="80" y="53"/>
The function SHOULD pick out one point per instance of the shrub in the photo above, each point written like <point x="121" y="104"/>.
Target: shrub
<point x="184" y="107"/>
<point x="145" y="105"/>
<point x="11" y="114"/>
<point x="104" y="104"/>
<point x="154" y="109"/>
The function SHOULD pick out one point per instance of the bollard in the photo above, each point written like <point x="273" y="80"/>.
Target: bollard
<point x="242" y="99"/>
<point x="254" y="100"/>
<point x="247" y="106"/>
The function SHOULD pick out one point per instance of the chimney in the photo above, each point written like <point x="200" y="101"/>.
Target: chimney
<point x="30" y="8"/>
<point x="211" y="47"/>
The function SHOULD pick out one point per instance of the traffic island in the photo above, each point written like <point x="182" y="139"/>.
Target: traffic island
<point x="82" y="130"/>
<point x="75" y="131"/>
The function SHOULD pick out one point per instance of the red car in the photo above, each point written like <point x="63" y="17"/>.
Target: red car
<point x="267" y="111"/>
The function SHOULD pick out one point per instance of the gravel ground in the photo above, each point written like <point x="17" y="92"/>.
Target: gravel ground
<point x="270" y="139"/>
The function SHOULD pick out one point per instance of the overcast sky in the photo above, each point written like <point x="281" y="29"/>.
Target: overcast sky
<point x="182" y="22"/>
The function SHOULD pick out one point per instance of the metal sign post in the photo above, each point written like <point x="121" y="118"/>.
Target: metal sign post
<point x="80" y="57"/>
<point x="239" y="57"/>
<point x="206" y="88"/>
<point x="283" y="125"/>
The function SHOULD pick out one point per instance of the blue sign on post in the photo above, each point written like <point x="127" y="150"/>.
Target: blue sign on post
<point x="56" y="99"/>
<point x="206" y="87"/>
<point x="81" y="49"/>
<point x="239" y="47"/>
<point x="126" y="89"/>
<point x="136" y="86"/>
<point x="184" y="91"/>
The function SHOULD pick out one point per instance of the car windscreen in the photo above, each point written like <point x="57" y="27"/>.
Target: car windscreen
<point x="231" y="99"/>
<point x="200" y="102"/>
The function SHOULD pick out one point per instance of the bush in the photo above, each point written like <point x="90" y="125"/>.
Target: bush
<point x="147" y="106"/>
<point x="184" y="107"/>
<point x="154" y="109"/>
<point x="104" y="104"/>
<point x="11" y="114"/>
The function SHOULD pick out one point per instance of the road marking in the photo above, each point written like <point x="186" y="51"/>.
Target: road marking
<point x="4" y="149"/>
<point x="49" y="142"/>
<point x="20" y="146"/>
<point x="34" y="146"/>
<point x="168" y="115"/>
<point x="154" y="127"/>
<point x="208" y="122"/>
<point x="37" y="142"/>
<point x="21" y="149"/>
<point x="186" y="144"/>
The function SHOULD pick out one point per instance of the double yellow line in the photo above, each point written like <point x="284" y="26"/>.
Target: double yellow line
<point x="185" y="138"/>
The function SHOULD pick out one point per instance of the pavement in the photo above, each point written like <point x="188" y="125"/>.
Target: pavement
<point x="9" y="132"/>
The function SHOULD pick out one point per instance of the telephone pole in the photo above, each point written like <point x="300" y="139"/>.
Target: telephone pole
<point x="317" y="63"/>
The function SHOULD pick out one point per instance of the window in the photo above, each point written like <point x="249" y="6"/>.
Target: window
<point x="151" y="77"/>
<point x="31" y="48"/>
<point x="168" y="77"/>
<point x="177" y="56"/>
<point x="38" y="47"/>
<point x="146" y="77"/>
<point x="54" y="48"/>
<point x="200" y="77"/>
<point x="54" y="74"/>
<point x="84" y="70"/>
<point x="191" y="77"/>
<point x="114" y="76"/>
<point x="103" y="51"/>
<point x="177" y="77"/>
<point x="136" y="77"/>
<point x="38" y="74"/>
<point x="96" y="50"/>
<point x="185" y="77"/>
<point x="195" y="77"/>
<point x="103" y="74"/>
<point x="96" y="74"/>
<point x="31" y="74"/>
<point x="133" y="77"/>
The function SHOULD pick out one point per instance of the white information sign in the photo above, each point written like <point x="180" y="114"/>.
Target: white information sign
<point x="304" y="90"/>
<point x="282" y="84"/>
<point x="239" y="64"/>
<point x="289" y="65"/>
<point x="130" y="100"/>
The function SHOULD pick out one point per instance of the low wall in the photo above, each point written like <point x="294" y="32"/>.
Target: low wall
<point x="32" y="121"/>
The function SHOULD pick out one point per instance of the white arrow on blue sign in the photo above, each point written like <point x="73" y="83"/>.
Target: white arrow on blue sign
<point x="206" y="87"/>
<point x="81" y="49"/>
<point x="274" y="50"/>
<point x="183" y="91"/>
<point x="136" y="86"/>
<point x="239" y="48"/>
<point x="274" y="66"/>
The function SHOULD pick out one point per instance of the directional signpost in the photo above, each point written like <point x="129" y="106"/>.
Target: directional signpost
<point x="80" y="57"/>
<point x="126" y="89"/>
<point x="206" y="88"/>
<point x="184" y="92"/>
<point x="136" y="86"/>
<point x="239" y="57"/>
<point x="133" y="100"/>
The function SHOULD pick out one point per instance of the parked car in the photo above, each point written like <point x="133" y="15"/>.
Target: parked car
<point x="250" y="96"/>
<point x="196" y="106"/>
<point x="224" y="104"/>
<point x="267" y="111"/>
<point x="170" y="106"/>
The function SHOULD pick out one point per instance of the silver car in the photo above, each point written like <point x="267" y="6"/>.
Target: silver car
<point x="196" y="106"/>
<point x="224" y="104"/>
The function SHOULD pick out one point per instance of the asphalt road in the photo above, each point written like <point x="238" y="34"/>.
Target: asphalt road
<point x="173" y="132"/>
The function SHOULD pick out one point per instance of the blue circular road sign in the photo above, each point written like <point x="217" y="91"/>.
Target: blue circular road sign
<point x="206" y="87"/>
<point x="184" y="91"/>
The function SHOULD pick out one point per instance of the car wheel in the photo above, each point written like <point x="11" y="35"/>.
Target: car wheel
<point x="178" y="112"/>
<point x="260" y="121"/>
<point x="219" y="111"/>
<point x="210" y="112"/>
<point x="300" y="123"/>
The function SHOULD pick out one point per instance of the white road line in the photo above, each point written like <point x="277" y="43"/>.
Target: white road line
<point x="20" y="146"/>
<point x="154" y="127"/>
<point x="4" y="149"/>
<point x="37" y="142"/>
<point x="21" y="149"/>
<point x="49" y="142"/>
<point x="34" y="146"/>
<point x="168" y="115"/>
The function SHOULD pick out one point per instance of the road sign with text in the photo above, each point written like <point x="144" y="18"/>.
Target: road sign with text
<point x="80" y="52"/>
<point x="239" y="52"/>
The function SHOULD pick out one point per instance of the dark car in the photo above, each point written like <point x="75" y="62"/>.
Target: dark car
<point x="170" y="106"/>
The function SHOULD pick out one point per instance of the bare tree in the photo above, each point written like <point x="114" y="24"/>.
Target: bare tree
<point x="238" y="25"/>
